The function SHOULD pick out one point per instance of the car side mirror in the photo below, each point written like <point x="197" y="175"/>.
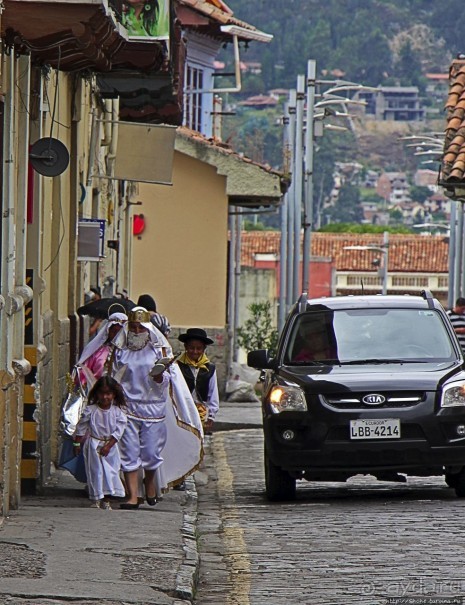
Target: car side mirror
<point x="260" y="360"/>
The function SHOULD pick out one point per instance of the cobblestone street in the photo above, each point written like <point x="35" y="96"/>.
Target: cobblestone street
<point x="358" y="542"/>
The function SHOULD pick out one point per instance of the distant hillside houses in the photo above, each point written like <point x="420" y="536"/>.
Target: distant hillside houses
<point x="260" y="101"/>
<point x="393" y="189"/>
<point x="393" y="103"/>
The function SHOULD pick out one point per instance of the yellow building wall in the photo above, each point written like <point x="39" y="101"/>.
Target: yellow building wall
<point x="181" y="257"/>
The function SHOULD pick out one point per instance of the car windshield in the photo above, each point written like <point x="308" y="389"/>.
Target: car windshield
<point x="369" y="335"/>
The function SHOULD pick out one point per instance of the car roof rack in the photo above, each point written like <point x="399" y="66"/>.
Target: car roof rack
<point x="426" y="294"/>
<point x="302" y="302"/>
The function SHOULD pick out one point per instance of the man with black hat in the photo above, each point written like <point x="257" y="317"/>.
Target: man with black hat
<point x="200" y="374"/>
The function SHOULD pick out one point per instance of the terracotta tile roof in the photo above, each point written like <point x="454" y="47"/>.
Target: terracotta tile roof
<point x="259" y="101"/>
<point x="217" y="11"/>
<point x="407" y="253"/>
<point x="453" y="160"/>
<point x="227" y="150"/>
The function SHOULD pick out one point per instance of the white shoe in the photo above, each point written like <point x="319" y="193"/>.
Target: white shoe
<point x="96" y="504"/>
<point x="106" y="505"/>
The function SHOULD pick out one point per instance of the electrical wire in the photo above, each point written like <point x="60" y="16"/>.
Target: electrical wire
<point x="55" y="101"/>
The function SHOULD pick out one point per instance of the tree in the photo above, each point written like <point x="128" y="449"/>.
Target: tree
<point x="419" y="194"/>
<point x="408" y="67"/>
<point x="347" y="208"/>
<point x="259" y="331"/>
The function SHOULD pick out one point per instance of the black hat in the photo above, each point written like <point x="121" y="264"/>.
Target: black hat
<point x="195" y="334"/>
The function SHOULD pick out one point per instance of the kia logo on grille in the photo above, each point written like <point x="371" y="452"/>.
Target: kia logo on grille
<point x="374" y="399"/>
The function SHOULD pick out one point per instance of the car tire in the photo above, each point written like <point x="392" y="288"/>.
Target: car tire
<point x="459" y="483"/>
<point x="451" y="479"/>
<point x="279" y="485"/>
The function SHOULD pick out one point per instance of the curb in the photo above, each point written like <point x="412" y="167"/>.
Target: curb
<point x="188" y="573"/>
<point x="234" y="426"/>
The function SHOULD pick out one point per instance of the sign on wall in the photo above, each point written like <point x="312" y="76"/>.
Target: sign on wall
<point x="91" y="239"/>
<point x="148" y="20"/>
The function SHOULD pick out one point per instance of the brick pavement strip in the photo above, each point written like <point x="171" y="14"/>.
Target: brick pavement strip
<point x="360" y="543"/>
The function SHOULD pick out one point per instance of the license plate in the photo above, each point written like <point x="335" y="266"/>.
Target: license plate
<point x="377" y="428"/>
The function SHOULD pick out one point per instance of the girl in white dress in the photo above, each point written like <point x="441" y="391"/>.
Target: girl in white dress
<point x="98" y="431"/>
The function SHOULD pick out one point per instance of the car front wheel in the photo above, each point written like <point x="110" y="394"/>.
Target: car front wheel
<point x="279" y="485"/>
<point x="451" y="479"/>
<point x="458" y="483"/>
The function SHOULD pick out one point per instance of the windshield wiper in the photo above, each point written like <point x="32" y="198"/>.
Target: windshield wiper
<point x="378" y="361"/>
<point x="306" y="363"/>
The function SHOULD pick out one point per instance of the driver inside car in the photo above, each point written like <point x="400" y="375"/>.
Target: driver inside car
<point x="315" y="343"/>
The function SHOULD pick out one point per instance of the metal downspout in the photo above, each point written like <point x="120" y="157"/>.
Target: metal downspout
<point x="451" y="293"/>
<point x="237" y="278"/>
<point x="8" y="211"/>
<point x="231" y="291"/>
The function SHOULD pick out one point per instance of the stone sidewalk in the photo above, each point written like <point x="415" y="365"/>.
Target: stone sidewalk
<point x="56" y="549"/>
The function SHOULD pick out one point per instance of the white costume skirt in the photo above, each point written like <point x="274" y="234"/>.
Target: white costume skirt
<point x="103" y="476"/>
<point x="141" y="445"/>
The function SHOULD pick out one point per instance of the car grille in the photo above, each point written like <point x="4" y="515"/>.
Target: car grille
<point x="394" y="399"/>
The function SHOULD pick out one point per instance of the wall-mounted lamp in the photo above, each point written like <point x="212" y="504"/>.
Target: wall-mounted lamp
<point x="138" y="225"/>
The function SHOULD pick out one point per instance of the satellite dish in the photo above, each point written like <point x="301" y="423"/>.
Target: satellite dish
<point x="49" y="156"/>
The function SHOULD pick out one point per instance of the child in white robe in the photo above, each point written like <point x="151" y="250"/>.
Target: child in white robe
<point x="98" y="431"/>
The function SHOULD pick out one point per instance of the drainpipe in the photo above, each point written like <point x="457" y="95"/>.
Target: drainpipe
<point x="459" y="252"/>
<point x="23" y="293"/>
<point x="451" y="294"/>
<point x="231" y="291"/>
<point x="237" y="75"/>
<point x="8" y="211"/>
<point x="237" y="277"/>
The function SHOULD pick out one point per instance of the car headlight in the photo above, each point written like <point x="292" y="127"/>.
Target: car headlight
<point x="283" y="399"/>
<point x="453" y="395"/>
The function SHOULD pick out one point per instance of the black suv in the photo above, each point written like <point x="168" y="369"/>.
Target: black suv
<point x="363" y="385"/>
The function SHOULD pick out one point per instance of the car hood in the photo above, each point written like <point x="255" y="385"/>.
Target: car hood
<point x="412" y="376"/>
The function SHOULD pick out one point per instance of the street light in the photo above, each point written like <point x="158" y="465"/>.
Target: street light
<point x="432" y="144"/>
<point x="383" y="249"/>
<point x="328" y="99"/>
<point x="432" y="226"/>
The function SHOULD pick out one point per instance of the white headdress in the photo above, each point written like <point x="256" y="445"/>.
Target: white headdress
<point x="102" y="336"/>
<point x="142" y="316"/>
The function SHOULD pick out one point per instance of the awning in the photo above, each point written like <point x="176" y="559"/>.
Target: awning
<point x="71" y="34"/>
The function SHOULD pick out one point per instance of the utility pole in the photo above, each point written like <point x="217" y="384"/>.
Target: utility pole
<point x="291" y="201"/>
<point x="299" y="127"/>
<point x="308" y="199"/>
<point x="284" y="216"/>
